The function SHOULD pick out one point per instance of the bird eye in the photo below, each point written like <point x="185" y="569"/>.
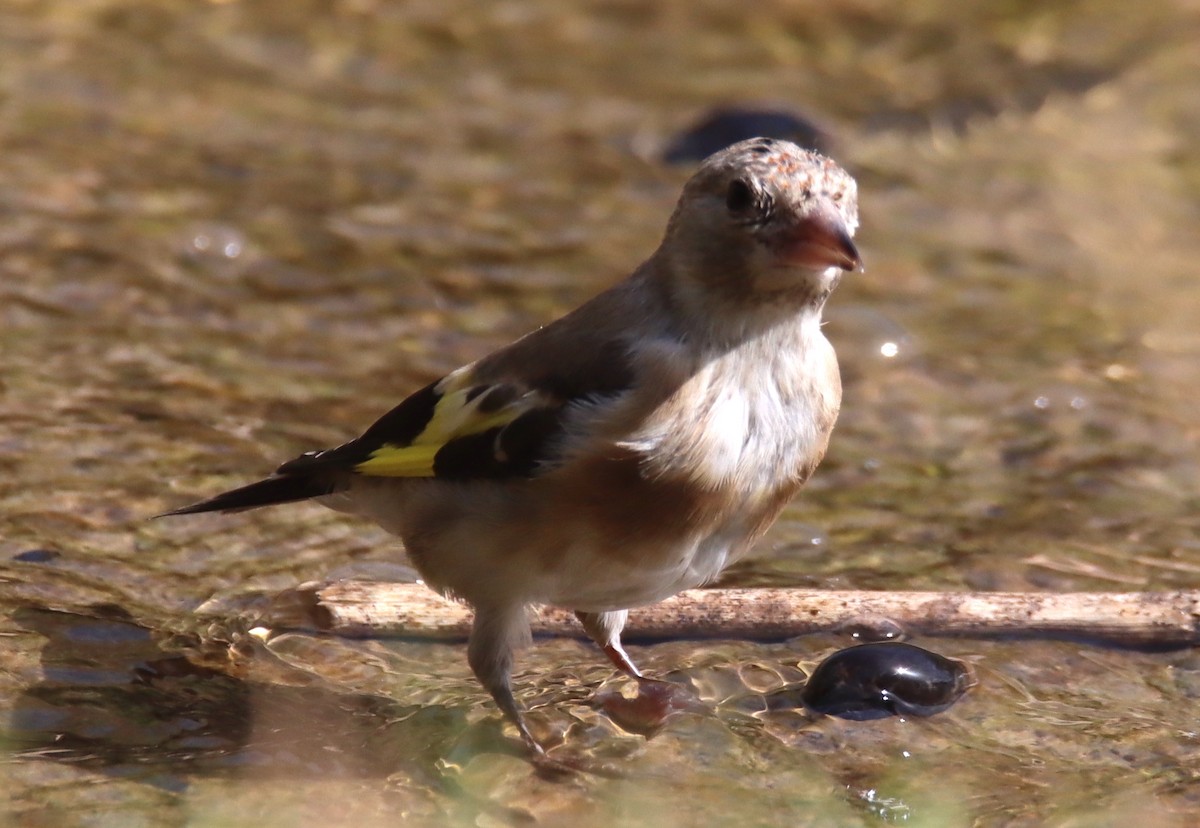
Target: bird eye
<point x="739" y="197"/>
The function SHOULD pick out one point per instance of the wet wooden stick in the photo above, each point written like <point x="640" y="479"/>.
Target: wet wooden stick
<point x="355" y="608"/>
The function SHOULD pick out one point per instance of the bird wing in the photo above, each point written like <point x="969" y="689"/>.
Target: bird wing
<point x="458" y="427"/>
<point x="503" y="416"/>
<point x="506" y="416"/>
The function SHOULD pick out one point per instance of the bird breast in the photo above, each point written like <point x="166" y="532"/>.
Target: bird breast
<point x="750" y="420"/>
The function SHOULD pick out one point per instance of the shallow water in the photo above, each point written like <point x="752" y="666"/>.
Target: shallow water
<point x="235" y="231"/>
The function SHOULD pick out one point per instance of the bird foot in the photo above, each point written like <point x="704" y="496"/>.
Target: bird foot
<point x="646" y="711"/>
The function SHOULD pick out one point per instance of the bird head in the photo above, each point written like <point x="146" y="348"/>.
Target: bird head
<point x="764" y="222"/>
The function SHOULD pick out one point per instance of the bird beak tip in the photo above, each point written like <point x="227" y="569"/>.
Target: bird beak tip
<point x="853" y="261"/>
<point x="822" y="241"/>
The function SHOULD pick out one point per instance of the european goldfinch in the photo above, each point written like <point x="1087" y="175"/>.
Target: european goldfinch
<point x="635" y="447"/>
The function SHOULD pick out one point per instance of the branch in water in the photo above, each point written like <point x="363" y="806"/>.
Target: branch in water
<point x="363" y="609"/>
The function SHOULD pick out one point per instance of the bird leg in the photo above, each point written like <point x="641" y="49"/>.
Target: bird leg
<point x="655" y="700"/>
<point x="605" y="629"/>
<point x="494" y="637"/>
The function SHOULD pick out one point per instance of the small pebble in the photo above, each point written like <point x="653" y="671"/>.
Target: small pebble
<point x="645" y="712"/>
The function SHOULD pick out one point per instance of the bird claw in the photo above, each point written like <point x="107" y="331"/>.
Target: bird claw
<point x="560" y="767"/>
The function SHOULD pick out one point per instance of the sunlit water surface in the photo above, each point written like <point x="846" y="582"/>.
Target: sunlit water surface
<point x="234" y="231"/>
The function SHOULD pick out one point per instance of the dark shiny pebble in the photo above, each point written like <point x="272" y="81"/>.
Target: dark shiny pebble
<point x="36" y="556"/>
<point x="873" y="681"/>
<point x="721" y="127"/>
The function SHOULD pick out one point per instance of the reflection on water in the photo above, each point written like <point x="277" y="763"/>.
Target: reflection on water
<point x="115" y="698"/>
<point x="110" y="695"/>
<point x="232" y="231"/>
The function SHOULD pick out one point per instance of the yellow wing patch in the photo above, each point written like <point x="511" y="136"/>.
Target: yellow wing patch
<point x="399" y="461"/>
<point x="455" y="415"/>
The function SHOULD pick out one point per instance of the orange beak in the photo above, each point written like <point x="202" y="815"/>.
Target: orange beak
<point x="819" y="241"/>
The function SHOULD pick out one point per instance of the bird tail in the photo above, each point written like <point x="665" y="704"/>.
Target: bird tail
<point x="279" y="488"/>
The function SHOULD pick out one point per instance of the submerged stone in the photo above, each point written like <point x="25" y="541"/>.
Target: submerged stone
<point x="873" y="681"/>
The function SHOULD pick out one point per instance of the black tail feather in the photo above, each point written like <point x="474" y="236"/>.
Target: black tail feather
<point x="273" y="490"/>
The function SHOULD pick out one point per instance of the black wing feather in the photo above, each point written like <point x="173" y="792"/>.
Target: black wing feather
<point x="263" y="493"/>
